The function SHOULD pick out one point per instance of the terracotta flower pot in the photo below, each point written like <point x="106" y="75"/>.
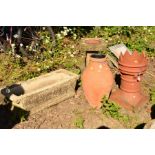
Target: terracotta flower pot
<point x="97" y="80"/>
<point x="92" y="46"/>
<point x="131" y="67"/>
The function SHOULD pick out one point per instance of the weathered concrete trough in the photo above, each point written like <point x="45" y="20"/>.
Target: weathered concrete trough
<point x="44" y="91"/>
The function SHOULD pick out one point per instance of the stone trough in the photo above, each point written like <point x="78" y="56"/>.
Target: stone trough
<point x="43" y="91"/>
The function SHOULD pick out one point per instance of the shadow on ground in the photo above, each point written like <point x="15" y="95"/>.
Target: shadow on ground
<point x="8" y="116"/>
<point x="152" y="115"/>
<point x="140" y="126"/>
<point x="153" y="111"/>
<point x="103" y="127"/>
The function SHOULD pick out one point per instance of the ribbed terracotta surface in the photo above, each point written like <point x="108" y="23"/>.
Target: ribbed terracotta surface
<point x="131" y="67"/>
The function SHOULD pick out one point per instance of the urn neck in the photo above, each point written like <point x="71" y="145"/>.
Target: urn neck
<point x="98" y="58"/>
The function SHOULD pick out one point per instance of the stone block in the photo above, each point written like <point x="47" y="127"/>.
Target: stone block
<point x="44" y="91"/>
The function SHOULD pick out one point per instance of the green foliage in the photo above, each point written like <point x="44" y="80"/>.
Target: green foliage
<point x="79" y="122"/>
<point x="134" y="37"/>
<point x="152" y="96"/>
<point x="42" y="54"/>
<point x="112" y="109"/>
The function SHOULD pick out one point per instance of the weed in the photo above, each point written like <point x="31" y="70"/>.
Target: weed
<point x="79" y="122"/>
<point x="152" y="96"/>
<point x="112" y="109"/>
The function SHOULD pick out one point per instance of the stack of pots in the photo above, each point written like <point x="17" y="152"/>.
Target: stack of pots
<point x="131" y="67"/>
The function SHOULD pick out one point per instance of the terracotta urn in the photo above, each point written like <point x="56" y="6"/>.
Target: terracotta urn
<point x="131" y="67"/>
<point x="97" y="80"/>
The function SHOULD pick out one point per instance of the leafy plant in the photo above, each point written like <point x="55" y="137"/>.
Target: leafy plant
<point x="79" y="122"/>
<point x="112" y="109"/>
<point x="152" y="95"/>
<point x="135" y="37"/>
